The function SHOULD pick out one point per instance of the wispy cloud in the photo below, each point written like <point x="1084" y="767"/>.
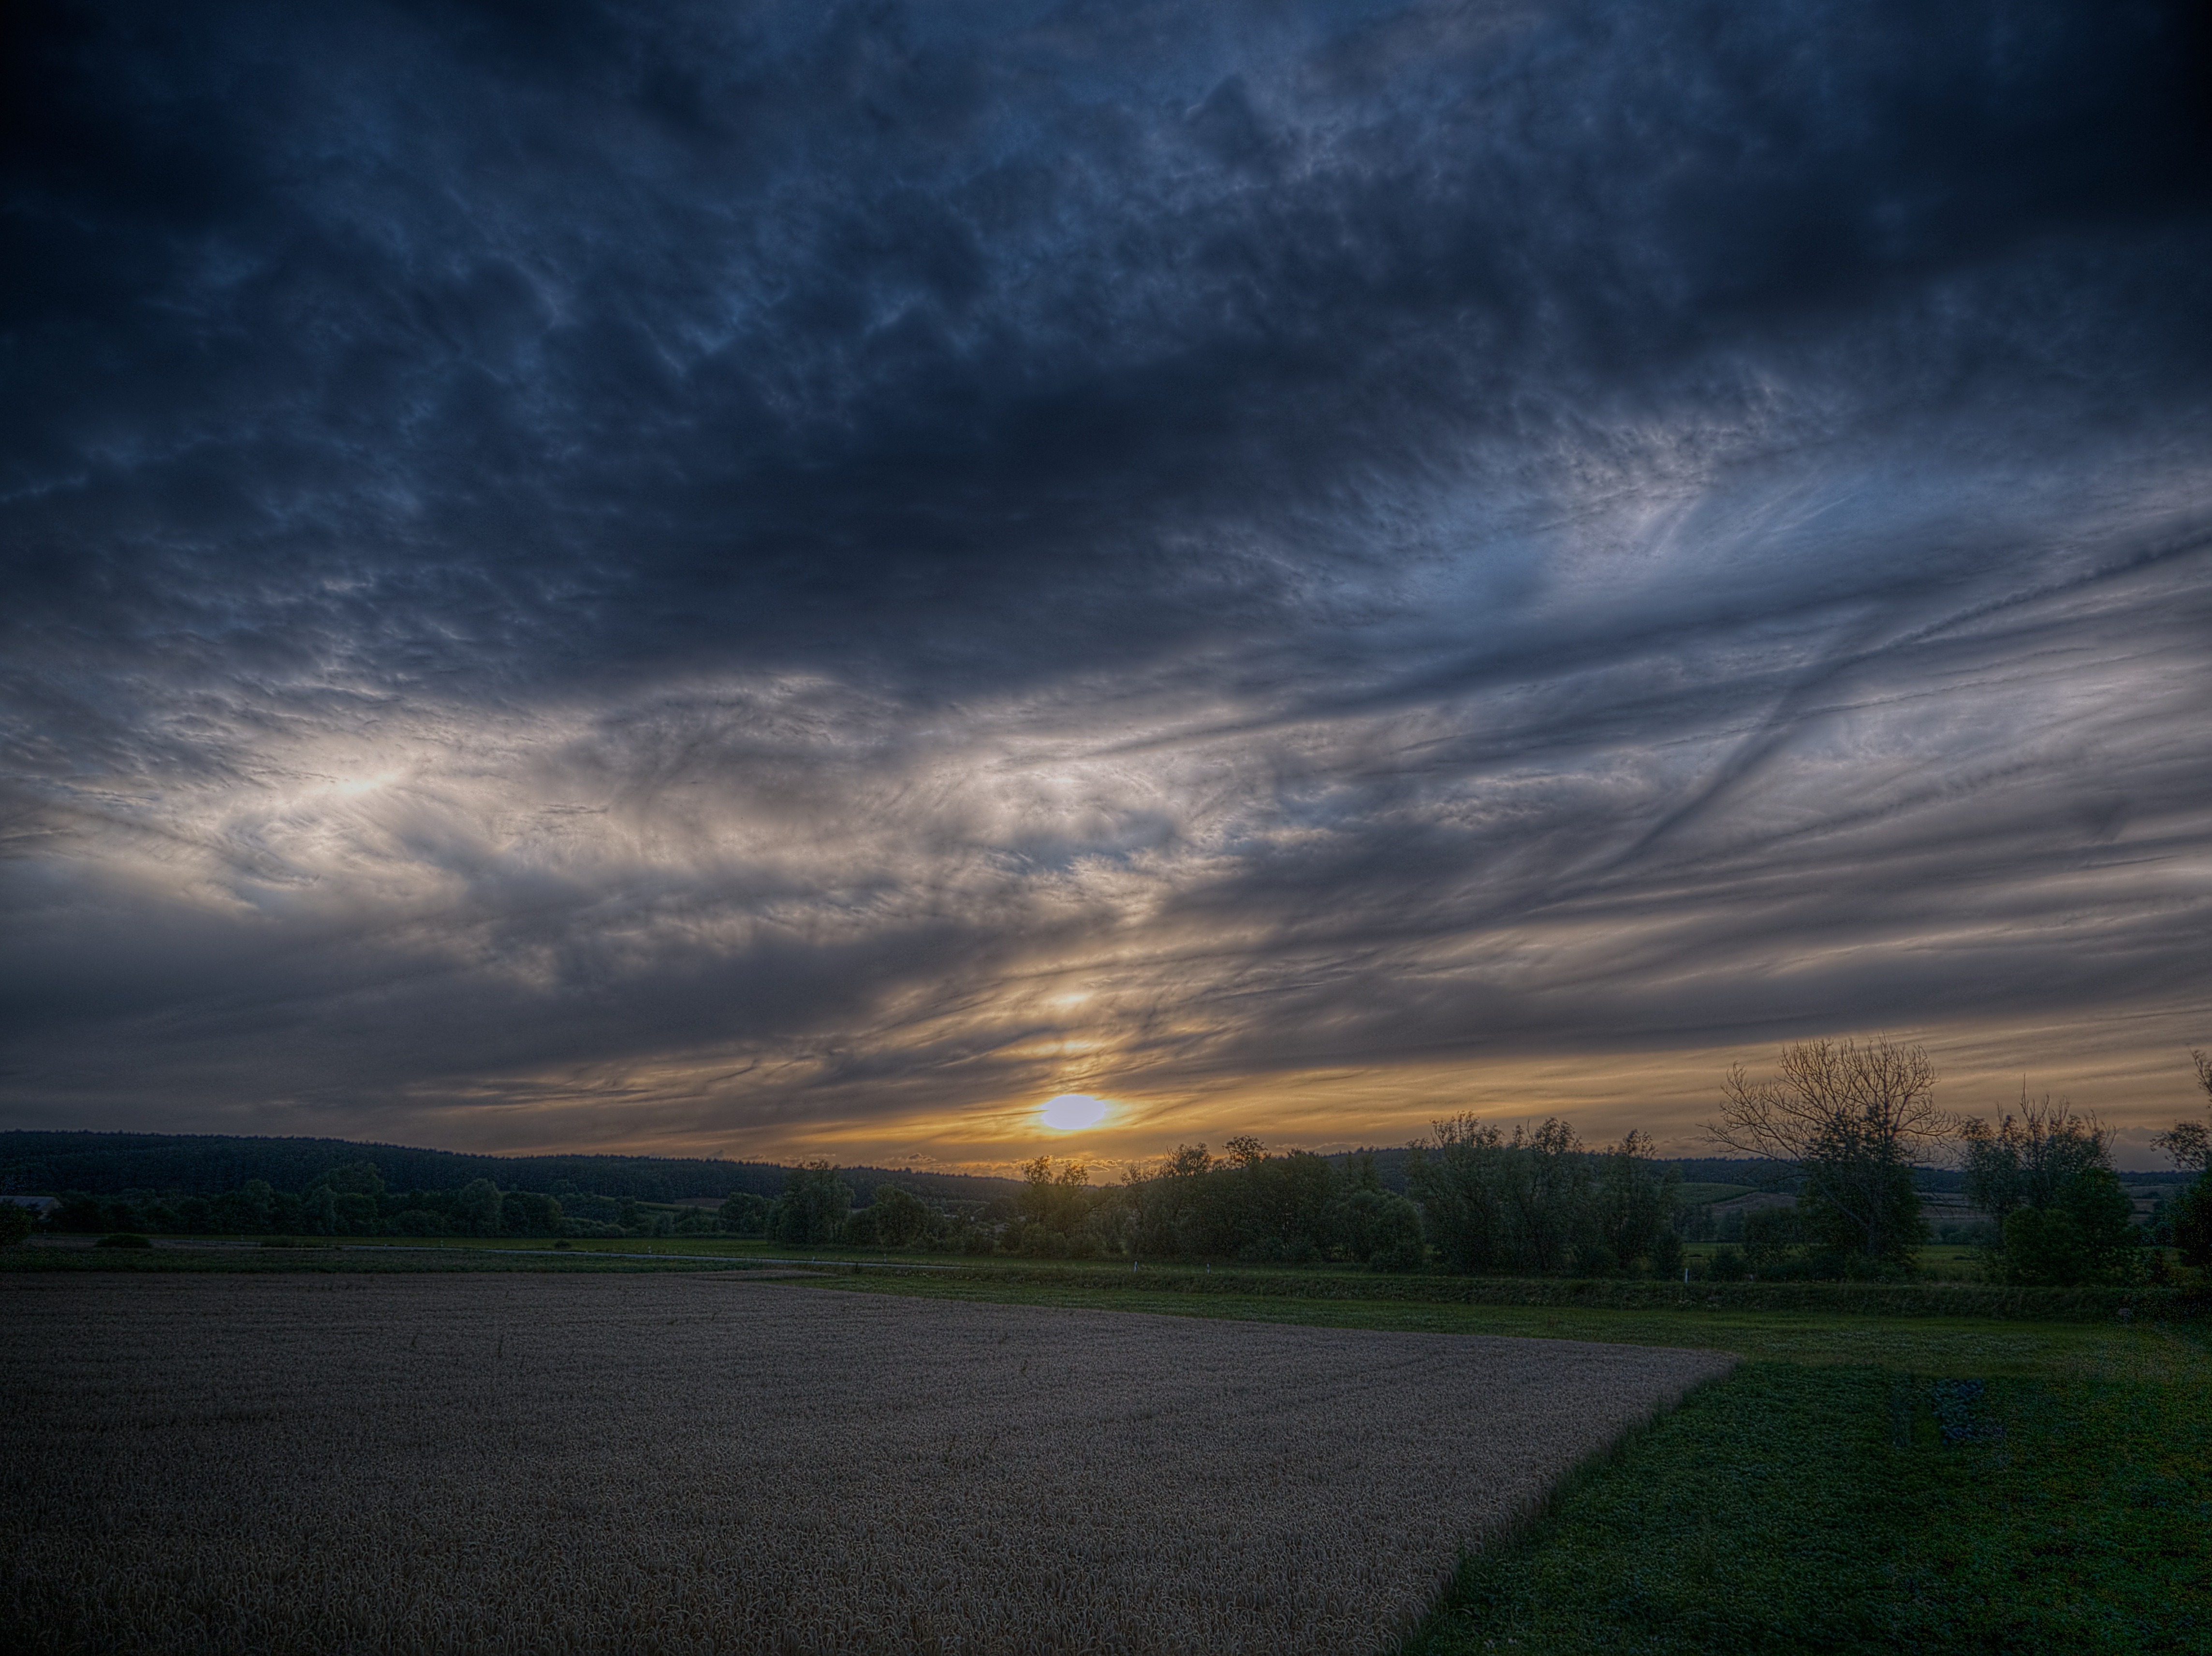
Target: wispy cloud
<point x="686" y="572"/>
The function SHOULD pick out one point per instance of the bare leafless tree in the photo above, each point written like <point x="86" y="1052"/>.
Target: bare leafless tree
<point x="1852" y="1117"/>
<point x="2189" y="1143"/>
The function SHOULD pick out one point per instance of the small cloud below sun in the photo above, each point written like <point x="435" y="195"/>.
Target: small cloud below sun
<point x="1073" y="1112"/>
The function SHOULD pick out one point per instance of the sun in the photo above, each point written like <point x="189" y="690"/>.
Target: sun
<point x="1073" y="1112"/>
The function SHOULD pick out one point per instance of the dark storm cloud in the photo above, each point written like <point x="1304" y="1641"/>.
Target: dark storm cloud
<point x="729" y="554"/>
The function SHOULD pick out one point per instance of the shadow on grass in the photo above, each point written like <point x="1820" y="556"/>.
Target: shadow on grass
<point x="1838" y="1508"/>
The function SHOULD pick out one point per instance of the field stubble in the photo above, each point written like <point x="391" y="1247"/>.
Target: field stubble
<point x="711" y="1464"/>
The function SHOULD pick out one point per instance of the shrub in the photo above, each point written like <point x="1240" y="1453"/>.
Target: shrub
<point x="745" y="1214"/>
<point x="1596" y="1260"/>
<point x="2192" y="1224"/>
<point x="2084" y="1236"/>
<point x="1398" y="1244"/>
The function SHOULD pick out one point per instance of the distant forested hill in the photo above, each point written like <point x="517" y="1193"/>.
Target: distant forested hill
<point x="1391" y="1167"/>
<point x="196" y="1164"/>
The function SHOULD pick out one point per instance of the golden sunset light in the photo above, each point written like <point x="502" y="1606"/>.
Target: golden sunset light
<point x="1073" y="1112"/>
<point x="1520" y="687"/>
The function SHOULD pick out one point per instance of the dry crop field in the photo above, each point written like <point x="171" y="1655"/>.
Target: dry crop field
<point x="547" y="1464"/>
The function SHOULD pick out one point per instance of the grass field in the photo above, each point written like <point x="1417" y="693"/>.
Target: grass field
<point x="1815" y="1501"/>
<point x="1696" y="1193"/>
<point x="1804" y="1507"/>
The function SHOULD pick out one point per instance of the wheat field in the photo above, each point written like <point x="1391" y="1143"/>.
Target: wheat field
<point x="717" y="1464"/>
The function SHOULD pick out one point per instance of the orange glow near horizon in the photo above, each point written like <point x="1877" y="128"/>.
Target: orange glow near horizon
<point x="2133" y="1070"/>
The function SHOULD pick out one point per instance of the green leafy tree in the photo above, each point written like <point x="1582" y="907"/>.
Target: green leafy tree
<point x="353" y="1179"/>
<point x="1054" y="1199"/>
<point x="1280" y="1206"/>
<point x="900" y="1216"/>
<point x="252" y="1207"/>
<point x="2045" y="1174"/>
<point x="2189" y="1145"/>
<point x="1523" y="1203"/>
<point x="1360" y="1171"/>
<point x="1174" y="1210"/>
<point x="356" y="1213"/>
<point x="525" y="1213"/>
<point x="2192" y="1223"/>
<point x="2030" y="1157"/>
<point x="78" y="1214"/>
<point x="1398" y="1242"/>
<point x="478" y="1207"/>
<point x="15" y="1222"/>
<point x="1770" y="1236"/>
<point x="1356" y="1224"/>
<point x="1456" y="1175"/>
<point x="812" y="1208"/>
<point x="319" y="1212"/>
<point x="1634" y="1202"/>
<point x="2086" y="1235"/>
<point x="1548" y="1182"/>
<point x="744" y="1214"/>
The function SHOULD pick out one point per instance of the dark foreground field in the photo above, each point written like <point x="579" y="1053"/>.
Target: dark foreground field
<point x="710" y="1462"/>
<point x="1864" y="1481"/>
<point x="1860" y="1483"/>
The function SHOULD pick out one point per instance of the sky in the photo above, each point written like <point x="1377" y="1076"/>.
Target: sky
<point x="784" y="579"/>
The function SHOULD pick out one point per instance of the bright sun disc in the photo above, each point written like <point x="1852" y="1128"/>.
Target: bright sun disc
<point x="1073" y="1112"/>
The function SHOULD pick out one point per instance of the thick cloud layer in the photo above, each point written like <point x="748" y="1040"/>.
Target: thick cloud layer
<point x="717" y="570"/>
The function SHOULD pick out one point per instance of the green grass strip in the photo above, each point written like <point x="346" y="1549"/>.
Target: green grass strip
<point x="1794" y="1508"/>
<point x="1918" y="1299"/>
<point x="261" y="1262"/>
<point x="1951" y="1346"/>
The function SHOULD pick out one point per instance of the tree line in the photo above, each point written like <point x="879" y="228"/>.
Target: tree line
<point x="1538" y="1201"/>
<point x="1851" y="1124"/>
<point x="210" y="1164"/>
<point x="350" y="1200"/>
<point x="1853" y="1119"/>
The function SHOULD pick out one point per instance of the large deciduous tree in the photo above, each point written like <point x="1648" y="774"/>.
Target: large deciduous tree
<point x="2189" y="1145"/>
<point x="813" y="1206"/>
<point x="479" y="1206"/>
<point x="1634" y="1204"/>
<point x="1851" y="1118"/>
<point x="900" y="1216"/>
<point x="1456" y="1175"/>
<point x="1538" y="1202"/>
<point x="2045" y="1175"/>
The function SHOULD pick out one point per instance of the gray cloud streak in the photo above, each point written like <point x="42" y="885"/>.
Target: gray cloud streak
<point x="734" y="561"/>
